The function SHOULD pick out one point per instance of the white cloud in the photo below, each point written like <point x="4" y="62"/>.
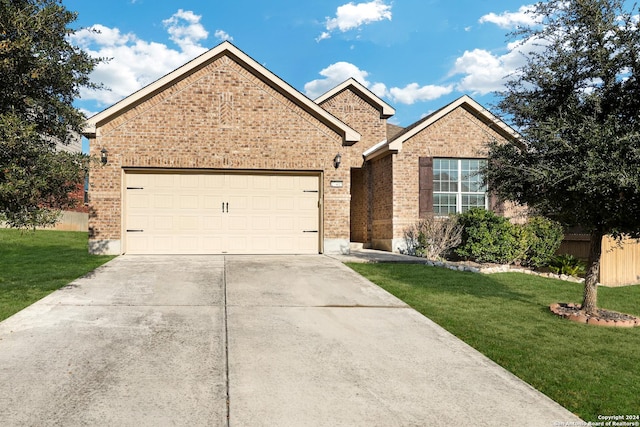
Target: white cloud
<point x="486" y="72"/>
<point x="337" y="73"/>
<point x="185" y="29"/>
<point x="222" y="35"/>
<point x="351" y="16"/>
<point x="333" y="75"/>
<point x="380" y="89"/>
<point x="524" y="16"/>
<point x="325" y="35"/>
<point x="134" y="63"/>
<point x="99" y="34"/>
<point x="413" y="93"/>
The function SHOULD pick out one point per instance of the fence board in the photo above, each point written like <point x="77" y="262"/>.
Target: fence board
<point x="619" y="263"/>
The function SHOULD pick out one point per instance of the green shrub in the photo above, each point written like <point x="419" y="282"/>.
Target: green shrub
<point x="566" y="264"/>
<point x="487" y="237"/>
<point x="541" y="238"/>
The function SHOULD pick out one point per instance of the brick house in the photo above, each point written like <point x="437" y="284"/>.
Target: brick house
<point x="223" y="156"/>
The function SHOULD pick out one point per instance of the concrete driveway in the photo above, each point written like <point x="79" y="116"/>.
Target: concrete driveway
<point x="246" y="341"/>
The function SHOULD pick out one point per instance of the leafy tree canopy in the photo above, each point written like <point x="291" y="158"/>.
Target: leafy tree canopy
<point x="576" y="103"/>
<point x="41" y="74"/>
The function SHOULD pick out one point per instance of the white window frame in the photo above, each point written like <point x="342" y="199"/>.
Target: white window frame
<point x="459" y="193"/>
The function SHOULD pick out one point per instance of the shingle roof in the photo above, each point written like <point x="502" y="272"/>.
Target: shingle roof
<point x="393" y="131"/>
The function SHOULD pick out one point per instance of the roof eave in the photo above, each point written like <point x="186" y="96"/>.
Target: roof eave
<point x="505" y="129"/>
<point x="381" y="149"/>
<point x="385" y="109"/>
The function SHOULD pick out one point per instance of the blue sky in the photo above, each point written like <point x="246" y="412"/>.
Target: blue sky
<point x="417" y="55"/>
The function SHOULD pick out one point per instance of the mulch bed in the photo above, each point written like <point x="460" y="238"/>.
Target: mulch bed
<point x="602" y="318"/>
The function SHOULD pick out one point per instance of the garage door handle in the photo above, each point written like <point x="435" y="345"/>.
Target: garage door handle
<point x="309" y="231"/>
<point x="135" y="231"/>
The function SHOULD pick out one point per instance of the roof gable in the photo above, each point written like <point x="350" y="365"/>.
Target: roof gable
<point x="395" y="144"/>
<point x="385" y="109"/>
<point x="348" y="134"/>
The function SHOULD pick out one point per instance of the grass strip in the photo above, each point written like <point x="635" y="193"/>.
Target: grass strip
<point x="35" y="263"/>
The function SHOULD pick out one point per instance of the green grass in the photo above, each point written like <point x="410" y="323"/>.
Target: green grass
<point x="35" y="263"/>
<point x="589" y="370"/>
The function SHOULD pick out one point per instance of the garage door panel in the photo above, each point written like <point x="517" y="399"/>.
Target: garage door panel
<point x="260" y="223"/>
<point x="190" y="181"/>
<point x="211" y="202"/>
<point x="184" y="243"/>
<point x="138" y="244"/>
<point x="285" y="203"/>
<point x="238" y="182"/>
<point x="308" y="223"/>
<point x="138" y="222"/>
<point x="188" y="201"/>
<point x="161" y="244"/>
<point x="139" y="201"/>
<point x="221" y="213"/>
<point x="189" y="224"/>
<point x="212" y="245"/>
<point x="162" y="180"/>
<point x="308" y="204"/>
<point x="161" y="223"/>
<point x="137" y="180"/>
<point x="211" y="223"/>
<point x="260" y="203"/>
<point x="237" y="204"/>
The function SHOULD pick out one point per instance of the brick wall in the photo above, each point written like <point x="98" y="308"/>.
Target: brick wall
<point x="220" y="117"/>
<point x="360" y="115"/>
<point x="365" y="118"/>
<point x="360" y="205"/>
<point x="460" y="134"/>
<point x="382" y="209"/>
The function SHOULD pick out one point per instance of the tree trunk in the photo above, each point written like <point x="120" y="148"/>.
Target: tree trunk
<point x="590" y="300"/>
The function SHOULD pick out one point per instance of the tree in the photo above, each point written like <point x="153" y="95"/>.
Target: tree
<point x="41" y="74"/>
<point x="576" y="103"/>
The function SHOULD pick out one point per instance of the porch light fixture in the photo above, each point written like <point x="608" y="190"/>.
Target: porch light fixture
<point x="336" y="161"/>
<point x="103" y="156"/>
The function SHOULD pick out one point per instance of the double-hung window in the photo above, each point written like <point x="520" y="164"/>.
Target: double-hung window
<point x="457" y="185"/>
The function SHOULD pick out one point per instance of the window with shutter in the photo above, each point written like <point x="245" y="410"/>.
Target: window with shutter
<point x="426" y="186"/>
<point x="456" y="185"/>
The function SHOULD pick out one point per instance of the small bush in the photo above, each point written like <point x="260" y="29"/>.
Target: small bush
<point x="566" y="264"/>
<point x="487" y="237"/>
<point x="433" y="237"/>
<point x="541" y="238"/>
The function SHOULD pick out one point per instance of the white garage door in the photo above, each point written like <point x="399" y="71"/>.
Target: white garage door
<point x="195" y="213"/>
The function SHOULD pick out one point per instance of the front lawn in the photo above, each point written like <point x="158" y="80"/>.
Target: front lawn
<point x="589" y="370"/>
<point x="36" y="263"/>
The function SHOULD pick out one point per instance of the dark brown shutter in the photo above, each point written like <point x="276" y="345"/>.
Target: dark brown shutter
<point x="426" y="186"/>
<point x="495" y="204"/>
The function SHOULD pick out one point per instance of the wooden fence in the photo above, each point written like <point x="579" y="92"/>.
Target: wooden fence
<point x="619" y="264"/>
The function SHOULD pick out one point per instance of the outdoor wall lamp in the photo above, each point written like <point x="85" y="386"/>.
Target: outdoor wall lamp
<point x="336" y="161"/>
<point x="103" y="156"/>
